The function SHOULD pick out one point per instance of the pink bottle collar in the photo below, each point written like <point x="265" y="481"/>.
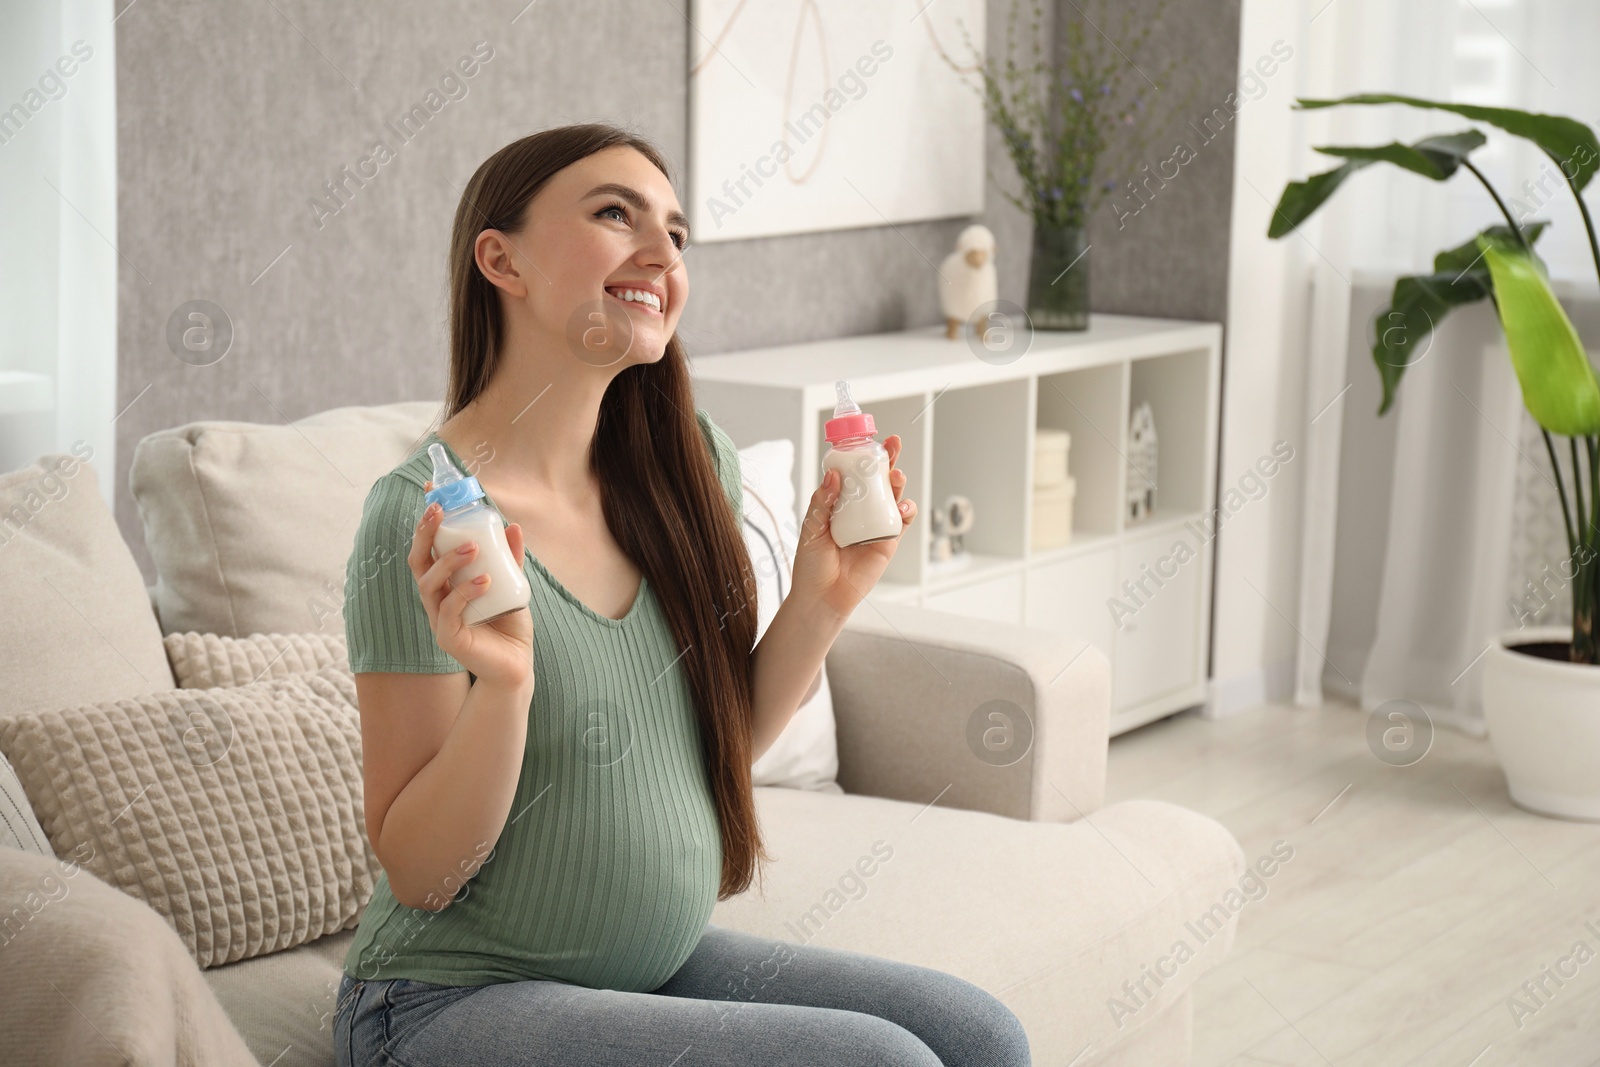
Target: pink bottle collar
<point x="848" y="426"/>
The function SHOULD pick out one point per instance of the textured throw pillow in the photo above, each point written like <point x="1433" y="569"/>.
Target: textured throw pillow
<point x="208" y="661"/>
<point x="19" y="828"/>
<point x="806" y="754"/>
<point x="235" y="813"/>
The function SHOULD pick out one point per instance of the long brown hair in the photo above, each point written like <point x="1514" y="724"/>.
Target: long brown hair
<point x="658" y="485"/>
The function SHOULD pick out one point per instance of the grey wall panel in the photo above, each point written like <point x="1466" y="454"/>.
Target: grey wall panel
<point x="1165" y="253"/>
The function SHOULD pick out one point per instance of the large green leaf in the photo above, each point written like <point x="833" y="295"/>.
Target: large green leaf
<point x="1468" y="255"/>
<point x="1568" y="141"/>
<point x="1420" y="302"/>
<point x="1436" y="157"/>
<point x="1558" y="382"/>
<point x="1402" y="330"/>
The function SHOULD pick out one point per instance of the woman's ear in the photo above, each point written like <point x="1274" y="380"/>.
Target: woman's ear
<point x="502" y="262"/>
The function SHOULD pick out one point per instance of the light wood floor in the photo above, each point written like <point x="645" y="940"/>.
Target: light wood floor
<point x="1416" y="905"/>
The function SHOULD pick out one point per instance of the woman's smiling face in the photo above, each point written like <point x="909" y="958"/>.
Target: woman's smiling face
<point x="601" y="259"/>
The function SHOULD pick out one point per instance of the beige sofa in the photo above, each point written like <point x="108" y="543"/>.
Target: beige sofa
<point x="1013" y="877"/>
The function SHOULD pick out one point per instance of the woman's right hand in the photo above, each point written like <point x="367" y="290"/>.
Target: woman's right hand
<point x="500" y="650"/>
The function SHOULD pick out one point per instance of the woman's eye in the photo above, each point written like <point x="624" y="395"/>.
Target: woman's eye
<point x="680" y="238"/>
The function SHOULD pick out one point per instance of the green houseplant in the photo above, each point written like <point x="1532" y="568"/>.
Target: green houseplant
<point x="1063" y="128"/>
<point x="1541" y="697"/>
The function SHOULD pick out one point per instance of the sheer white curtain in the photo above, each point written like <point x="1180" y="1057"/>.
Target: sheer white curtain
<point x="1444" y="520"/>
<point x="58" y="255"/>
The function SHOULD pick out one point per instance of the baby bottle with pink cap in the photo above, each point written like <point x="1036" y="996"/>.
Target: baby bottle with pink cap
<point x="865" y="509"/>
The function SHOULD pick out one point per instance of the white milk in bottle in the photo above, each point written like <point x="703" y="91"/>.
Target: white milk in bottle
<point x="468" y="516"/>
<point x="865" y="509"/>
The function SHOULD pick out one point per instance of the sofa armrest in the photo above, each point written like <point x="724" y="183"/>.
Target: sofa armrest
<point x="982" y="715"/>
<point x="95" y="976"/>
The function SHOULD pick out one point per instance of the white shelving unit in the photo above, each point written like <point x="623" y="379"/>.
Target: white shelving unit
<point x="967" y="427"/>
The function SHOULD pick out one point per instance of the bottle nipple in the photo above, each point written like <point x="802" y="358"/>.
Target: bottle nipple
<point x="848" y="418"/>
<point x="451" y="488"/>
<point x="845" y="405"/>
<point x="444" y="472"/>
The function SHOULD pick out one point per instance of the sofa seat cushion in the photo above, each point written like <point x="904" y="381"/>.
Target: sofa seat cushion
<point x="282" y="1004"/>
<point x="80" y="630"/>
<point x="1052" y="918"/>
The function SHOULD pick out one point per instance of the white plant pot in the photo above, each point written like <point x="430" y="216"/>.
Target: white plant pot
<point x="1544" y="724"/>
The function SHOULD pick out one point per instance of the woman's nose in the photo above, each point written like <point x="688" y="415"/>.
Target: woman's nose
<point x="659" y="251"/>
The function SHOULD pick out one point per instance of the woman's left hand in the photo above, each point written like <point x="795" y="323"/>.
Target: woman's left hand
<point x="834" y="578"/>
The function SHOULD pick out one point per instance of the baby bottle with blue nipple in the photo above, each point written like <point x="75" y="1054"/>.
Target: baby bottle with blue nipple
<point x="468" y="516"/>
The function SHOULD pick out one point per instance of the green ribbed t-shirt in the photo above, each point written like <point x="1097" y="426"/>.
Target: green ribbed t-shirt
<point x="608" y="867"/>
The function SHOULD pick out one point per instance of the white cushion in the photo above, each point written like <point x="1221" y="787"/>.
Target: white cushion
<point x="19" y="828"/>
<point x="806" y="754"/>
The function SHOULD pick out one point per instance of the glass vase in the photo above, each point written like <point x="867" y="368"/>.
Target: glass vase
<point x="1058" y="277"/>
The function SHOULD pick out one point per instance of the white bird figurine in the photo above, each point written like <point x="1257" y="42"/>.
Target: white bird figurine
<point x="967" y="280"/>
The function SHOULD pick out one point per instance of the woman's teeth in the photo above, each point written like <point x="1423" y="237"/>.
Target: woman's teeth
<point x="638" y="296"/>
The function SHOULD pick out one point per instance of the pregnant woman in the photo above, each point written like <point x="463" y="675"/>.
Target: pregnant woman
<point x="559" y="796"/>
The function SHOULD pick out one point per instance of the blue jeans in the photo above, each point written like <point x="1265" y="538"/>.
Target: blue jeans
<point x="738" y="1000"/>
